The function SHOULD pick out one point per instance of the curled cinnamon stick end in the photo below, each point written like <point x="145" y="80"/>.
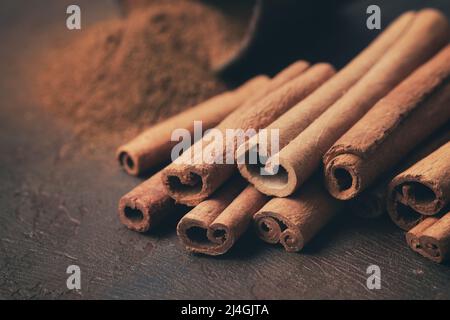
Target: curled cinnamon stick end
<point x="153" y="146"/>
<point x="299" y="117"/>
<point x="371" y="203"/>
<point x="193" y="228"/>
<point x="146" y="205"/>
<point x="413" y="235"/>
<point x="422" y="190"/>
<point x="216" y="224"/>
<point x="298" y="160"/>
<point x="295" y="220"/>
<point x="190" y="183"/>
<point x="431" y="238"/>
<point x="435" y="240"/>
<point x="391" y="129"/>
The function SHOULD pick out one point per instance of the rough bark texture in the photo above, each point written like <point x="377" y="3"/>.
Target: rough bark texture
<point x="413" y="235"/>
<point x="371" y="203"/>
<point x="392" y="128"/>
<point x="191" y="180"/>
<point x="295" y="220"/>
<point x="422" y="190"/>
<point x="428" y="33"/>
<point x="216" y="224"/>
<point x="146" y="205"/>
<point x="306" y="111"/>
<point x="431" y="238"/>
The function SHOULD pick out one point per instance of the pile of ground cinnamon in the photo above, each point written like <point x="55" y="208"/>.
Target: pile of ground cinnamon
<point x="131" y="72"/>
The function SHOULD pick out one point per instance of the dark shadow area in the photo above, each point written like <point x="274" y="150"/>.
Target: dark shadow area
<point x="345" y="223"/>
<point x="317" y="31"/>
<point x="134" y="215"/>
<point x="168" y="226"/>
<point x="197" y="235"/>
<point x="343" y="178"/>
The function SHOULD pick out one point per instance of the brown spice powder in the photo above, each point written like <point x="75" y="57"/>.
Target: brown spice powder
<point x="129" y="73"/>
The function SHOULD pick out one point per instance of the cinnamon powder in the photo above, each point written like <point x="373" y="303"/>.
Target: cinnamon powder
<point x="132" y="72"/>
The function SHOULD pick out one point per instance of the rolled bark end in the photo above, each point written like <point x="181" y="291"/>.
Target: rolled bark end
<point x="264" y="177"/>
<point x="252" y="118"/>
<point x="192" y="233"/>
<point x="267" y="184"/>
<point x="295" y="220"/>
<point x="199" y="238"/>
<point x="431" y="248"/>
<point x="153" y="147"/>
<point x="410" y="202"/>
<point x="422" y="190"/>
<point x="303" y="114"/>
<point x="287" y="180"/>
<point x="128" y="162"/>
<point x="422" y="198"/>
<point x="272" y="228"/>
<point x="412" y="236"/>
<point x="435" y="239"/>
<point x="214" y="225"/>
<point x="403" y="216"/>
<point x="218" y="234"/>
<point x="431" y="238"/>
<point x="134" y="215"/>
<point x="291" y="240"/>
<point x="146" y="205"/>
<point x="304" y="152"/>
<point x="341" y="177"/>
<point x="274" y="178"/>
<point x="418" y="197"/>
<point x="222" y="236"/>
<point x="186" y="187"/>
<point x="268" y="228"/>
<point x="413" y="242"/>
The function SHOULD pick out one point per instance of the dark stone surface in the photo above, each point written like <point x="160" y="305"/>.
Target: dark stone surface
<point x="58" y="207"/>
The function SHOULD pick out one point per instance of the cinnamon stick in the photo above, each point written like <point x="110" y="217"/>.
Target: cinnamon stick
<point x="295" y="220"/>
<point x="306" y="111"/>
<point x="431" y="238"/>
<point x="146" y="205"/>
<point x="413" y="235"/>
<point x="371" y="203"/>
<point x="152" y="147"/>
<point x="398" y="122"/>
<point x="422" y="190"/>
<point x="297" y="161"/>
<point x="216" y="224"/>
<point x="190" y="182"/>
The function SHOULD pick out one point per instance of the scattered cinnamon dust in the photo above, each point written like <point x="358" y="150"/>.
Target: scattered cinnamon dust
<point x="128" y="73"/>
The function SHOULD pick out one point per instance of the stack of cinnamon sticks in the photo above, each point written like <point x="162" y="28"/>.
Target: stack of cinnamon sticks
<point x="373" y="135"/>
